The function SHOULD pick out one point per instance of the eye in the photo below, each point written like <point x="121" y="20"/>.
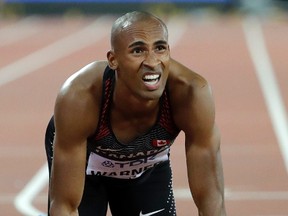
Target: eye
<point x="137" y="50"/>
<point x="161" y="48"/>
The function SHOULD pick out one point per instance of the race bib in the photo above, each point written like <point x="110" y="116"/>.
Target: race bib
<point x="130" y="169"/>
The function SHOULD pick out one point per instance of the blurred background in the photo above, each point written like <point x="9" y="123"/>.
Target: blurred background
<point x="239" y="46"/>
<point x="18" y="8"/>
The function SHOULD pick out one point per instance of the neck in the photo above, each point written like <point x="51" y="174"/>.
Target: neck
<point x="130" y="105"/>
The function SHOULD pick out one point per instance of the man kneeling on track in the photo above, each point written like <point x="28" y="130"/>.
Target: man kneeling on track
<point x="114" y="122"/>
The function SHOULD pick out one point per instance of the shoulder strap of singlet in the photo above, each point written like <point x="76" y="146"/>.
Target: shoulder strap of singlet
<point x="107" y="89"/>
<point x="166" y="116"/>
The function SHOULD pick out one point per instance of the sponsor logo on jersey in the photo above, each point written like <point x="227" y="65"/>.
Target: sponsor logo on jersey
<point x="108" y="163"/>
<point x="150" y="213"/>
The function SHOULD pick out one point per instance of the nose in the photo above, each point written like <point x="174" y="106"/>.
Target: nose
<point x="151" y="60"/>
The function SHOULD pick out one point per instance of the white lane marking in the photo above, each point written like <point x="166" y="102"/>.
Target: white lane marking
<point x="268" y="82"/>
<point x="55" y="51"/>
<point x="257" y="195"/>
<point x="10" y="34"/>
<point x="176" y="29"/>
<point x="231" y="195"/>
<point x="8" y="198"/>
<point x="23" y="201"/>
<point x="179" y="193"/>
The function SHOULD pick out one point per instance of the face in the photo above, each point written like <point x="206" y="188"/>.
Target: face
<point x="141" y="59"/>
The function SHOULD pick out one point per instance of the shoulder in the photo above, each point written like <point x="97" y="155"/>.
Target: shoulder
<point x="79" y="98"/>
<point x="86" y="77"/>
<point x="190" y="96"/>
<point x="183" y="77"/>
<point x="183" y="83"/>
<point x="84" y="81"/>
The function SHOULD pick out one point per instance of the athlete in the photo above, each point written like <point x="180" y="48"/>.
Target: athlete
<point x="109" y="139"/>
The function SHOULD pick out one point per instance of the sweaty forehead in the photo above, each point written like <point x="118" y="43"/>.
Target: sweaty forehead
<point x="148" y="27"/>
<point x="144" y="28"/>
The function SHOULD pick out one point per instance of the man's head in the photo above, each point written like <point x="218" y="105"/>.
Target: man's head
<point x="130" y="18"/>
<point x="140" y="53"/>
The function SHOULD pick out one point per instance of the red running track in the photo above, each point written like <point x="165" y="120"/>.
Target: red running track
<point x="38" y="54"/>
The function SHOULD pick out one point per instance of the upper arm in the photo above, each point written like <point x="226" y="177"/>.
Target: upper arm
<point x="202" y="144"/>
<point x="195" y="115"/>
<point x="75" y="119"/>
<point x="197" y="120"/>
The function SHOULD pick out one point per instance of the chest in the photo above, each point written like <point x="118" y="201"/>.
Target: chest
<point x="122" y="138"/>
<point x="127" y="129"/>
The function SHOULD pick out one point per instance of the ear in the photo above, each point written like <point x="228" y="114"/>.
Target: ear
<point x="112" y="62"/>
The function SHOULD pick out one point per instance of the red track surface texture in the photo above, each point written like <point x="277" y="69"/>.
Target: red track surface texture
<point x="37" y="55"/>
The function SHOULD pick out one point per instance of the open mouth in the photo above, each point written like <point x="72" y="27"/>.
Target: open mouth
<point x="151" y="79"/>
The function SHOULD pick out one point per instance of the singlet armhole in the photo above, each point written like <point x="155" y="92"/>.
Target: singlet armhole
<point x="171" y="116"/>
<point x="108" y="74"/>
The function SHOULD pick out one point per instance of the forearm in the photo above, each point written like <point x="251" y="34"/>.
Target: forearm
<point x="206" y="181"/>
<point x="67" y="181"/>
<point x="62" y="210"/>
<point x="209" y="201"/>
<point x="211" y="205"/>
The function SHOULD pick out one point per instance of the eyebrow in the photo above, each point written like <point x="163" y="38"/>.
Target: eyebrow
<point x="141" y="43"/>
<point x="161" y="42"/>
<point x="137" y="43"/>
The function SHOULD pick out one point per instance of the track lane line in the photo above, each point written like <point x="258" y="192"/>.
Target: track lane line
<point x="265" y="73"/>
<point x="55" y="51"/>
<point x="23" y="201"/>
<point x="231" y="195"/>
<point x="27" y="26"/>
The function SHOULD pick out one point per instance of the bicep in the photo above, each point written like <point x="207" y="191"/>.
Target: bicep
<point x="69" y="158"/>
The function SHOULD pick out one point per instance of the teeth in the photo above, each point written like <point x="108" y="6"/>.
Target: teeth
<point x="151" y="77"/>
<point x="152" y="82"/>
